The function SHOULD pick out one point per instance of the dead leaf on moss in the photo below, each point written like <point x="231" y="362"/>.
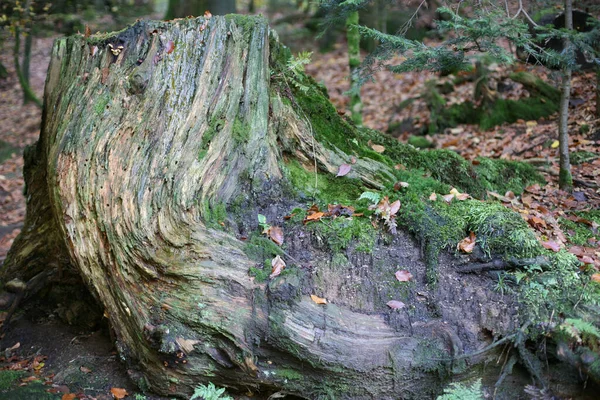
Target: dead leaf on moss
<point x="403" y="275"/>
<point x="278" y="265"/>
<point x="467" y="244"/>
<point x="275" y="233"/>
<point x="317" y="299"/>
<point x="395" y="304"/>
<point x="378" y="148"/>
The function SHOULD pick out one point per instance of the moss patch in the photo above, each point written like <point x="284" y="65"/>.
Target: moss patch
<point x="580" y="232"/>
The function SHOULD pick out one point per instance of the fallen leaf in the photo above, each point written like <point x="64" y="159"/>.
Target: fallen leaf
<point x="317" y="299"/>
<point x="14" y="347"/>
<point x="88" y="32"/>
<point x="275" y="233"/>
<point x="399" y="167"/>
<point x="555" y="144"/>
<point x="278" y="265"/>
<point x="85" y="370"/>
<point x="344" y="169"/>
<point x="467" y="244"/>
<point x="30" y="379"/>
<point x="378" y="148"/>
<point x="353" y="160"/>
<point x="394" y="207"/>
<point x="448" y="198"/>
<point x="187" y="345"/>
<point x="433" y="196"/>
<point x="314" y="217"/>
<point x="118" y="393"/>
<point x="403" y="275"/>
<point x="399" y="185"/>
<point x="170" y="47"/>
<point x="596" y="277"/>
<point x="395" y="304"/>
<point x="71" y="396"/>
<point x="551" y="245"/>
<point x="207" y="14"/>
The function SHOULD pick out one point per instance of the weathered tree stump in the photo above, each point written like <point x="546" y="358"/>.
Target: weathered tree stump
<point x="160" y="145"/>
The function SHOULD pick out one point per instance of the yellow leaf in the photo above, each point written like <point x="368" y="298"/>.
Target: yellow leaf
<point x="555" y="144"/>
<point x="317" y="299"/>
<point x="378" y="148"/>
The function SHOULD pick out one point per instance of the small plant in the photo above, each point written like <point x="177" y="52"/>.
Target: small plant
<point x="458" y="391"/>
<point x="262" y="222"/>
<point x="210" y="392"/>
<point x="139" y="396"/>
<point x="295" y="66"/>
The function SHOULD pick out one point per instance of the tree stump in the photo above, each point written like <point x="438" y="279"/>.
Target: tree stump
<point x="160" y="145"/>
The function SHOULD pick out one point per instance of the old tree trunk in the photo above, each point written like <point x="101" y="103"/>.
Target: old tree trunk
<point x="160" y="146"/>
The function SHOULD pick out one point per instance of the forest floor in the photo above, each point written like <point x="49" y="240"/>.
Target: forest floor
<point x="82" y="364"/>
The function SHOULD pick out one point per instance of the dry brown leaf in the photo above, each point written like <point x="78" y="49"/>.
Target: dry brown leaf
<point x="433" y="196"/>
<point x="275" y="233"/>
<point x="394" y="207"/>
<point x="317" y="299"/>
<point x="403" y="275"/>
<point x="399" y="185"/>
<point x="72" y="396"/>
<point x="596" y="277"/>
<point x="395" y="304"/>
<point x="187" y="345"/>
<point x="118" y="393"/>
<point x="551" y="245"/>
<point x="85" y="370"/>
<point x="314" y="217"/>
<point x="467" y="244"/>
<point x="378" y="148"/>
<point x="448" y="198"/>
<point x="278" y="265"/>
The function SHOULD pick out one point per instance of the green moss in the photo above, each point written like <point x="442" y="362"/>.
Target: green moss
<point x="580" y="157"/>
<point x="290" y="374"/>
<point x="10" y="389"/>
<point x="503" y="175"/>
<point x="329" y="189"/>
<point x="8" y="378"/>
<point x="240" y="131"/>
<point x="101" y="103"/>
<point x="580" y="232"/>
<point x="420" y="142"/>
<point x="214" y="127"/>
<point x="338" y="233"/>
<point x="246" y="22"/>
<point x="214" y="215"/>
<point x="260" y="248"/>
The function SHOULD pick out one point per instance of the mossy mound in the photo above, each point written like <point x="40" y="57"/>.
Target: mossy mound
<point x="543" y="102"/>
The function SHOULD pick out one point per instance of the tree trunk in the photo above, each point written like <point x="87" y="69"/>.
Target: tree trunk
<point x="353" y="36"/>
<point x="565" y="179"/>
<point x="185" y="8"/>
<point x="28" y="94"/>
<point x="160" y="145"/>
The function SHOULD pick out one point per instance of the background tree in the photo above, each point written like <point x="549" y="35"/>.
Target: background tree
<point x="481" y="32"/>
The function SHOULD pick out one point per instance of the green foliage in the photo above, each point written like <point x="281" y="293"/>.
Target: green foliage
<point x="582" y="332"/>
<point x="210" y="392"/>
<point x="371" y="196"/>
<point x="419" y="142"/>
<point x="295" y="70"/>
<point x="459" y="391"/>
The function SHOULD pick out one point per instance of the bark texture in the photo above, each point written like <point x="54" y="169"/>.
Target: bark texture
<point x="146" y="134"/>
<point x="565" y="179"/>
